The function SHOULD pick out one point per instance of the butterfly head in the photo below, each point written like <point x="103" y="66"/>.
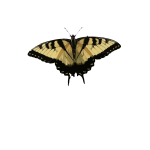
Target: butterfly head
<point x="72" y="35"/>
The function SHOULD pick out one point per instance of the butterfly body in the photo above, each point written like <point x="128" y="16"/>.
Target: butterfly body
<point x="73" y="45"/>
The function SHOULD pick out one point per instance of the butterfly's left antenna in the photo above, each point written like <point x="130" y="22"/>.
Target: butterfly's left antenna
<point x="67" y="31"/>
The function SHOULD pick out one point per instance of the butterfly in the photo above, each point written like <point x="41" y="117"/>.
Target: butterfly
<point x="74" y="55"/>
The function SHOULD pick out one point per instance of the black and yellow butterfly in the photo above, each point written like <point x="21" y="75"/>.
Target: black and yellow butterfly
<point x="75" y="55"/>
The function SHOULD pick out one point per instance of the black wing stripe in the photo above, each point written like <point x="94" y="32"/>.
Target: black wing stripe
<point x="62" y="45"/>
<point x="94" y="41"/>
<point x="85" y="42"/>
<point x="47" y="46"/>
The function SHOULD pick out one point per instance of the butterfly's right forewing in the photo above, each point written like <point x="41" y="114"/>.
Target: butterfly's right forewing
<point x="94" y="47"/>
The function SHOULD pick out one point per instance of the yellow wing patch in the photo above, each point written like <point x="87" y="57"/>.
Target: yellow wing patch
<point x="54" y="50"/>
<point x="82" y="57"/>
<point x="64" y="57"/>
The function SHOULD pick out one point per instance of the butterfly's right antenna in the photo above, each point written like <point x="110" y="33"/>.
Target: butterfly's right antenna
<point x="79" y="30"/>
<point x="67" y="31"/>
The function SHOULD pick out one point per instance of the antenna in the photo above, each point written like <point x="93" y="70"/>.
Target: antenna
<point x="67" y="31"/>
<point x="79" y="30"/>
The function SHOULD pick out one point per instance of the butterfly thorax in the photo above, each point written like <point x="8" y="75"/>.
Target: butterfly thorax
<point x="73" y="45"/>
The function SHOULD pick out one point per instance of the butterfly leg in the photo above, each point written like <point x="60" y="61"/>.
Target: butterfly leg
<point x="68" y="78"/>
<point x="82" y="78"/>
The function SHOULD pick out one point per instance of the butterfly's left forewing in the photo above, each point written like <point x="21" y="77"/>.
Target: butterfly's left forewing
<point x="54" y="50"/>
<point x="66" y="55"/>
